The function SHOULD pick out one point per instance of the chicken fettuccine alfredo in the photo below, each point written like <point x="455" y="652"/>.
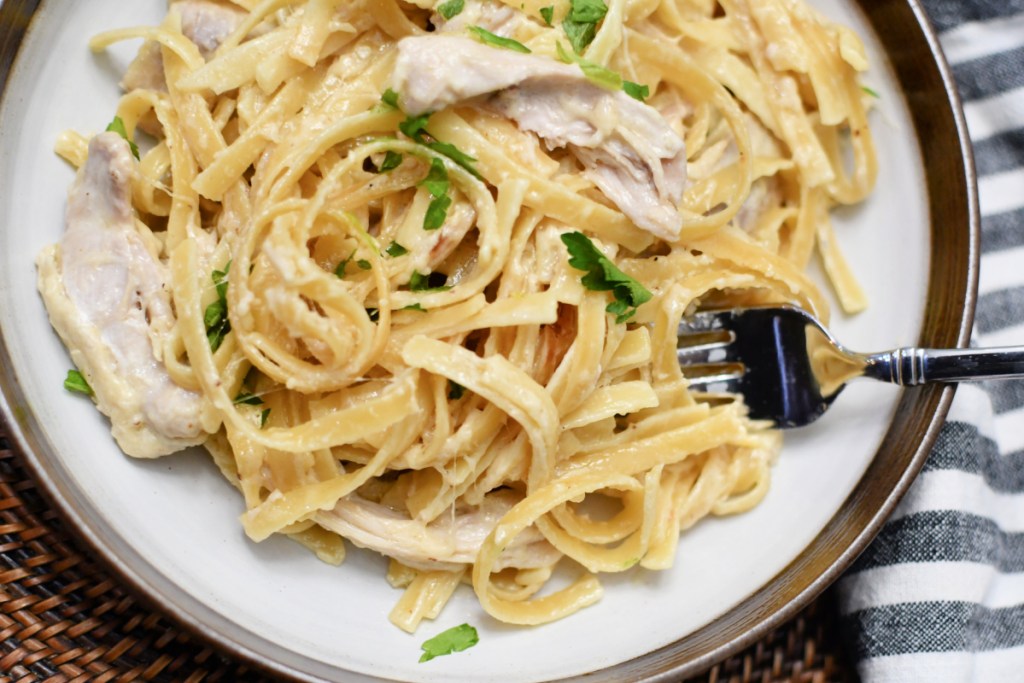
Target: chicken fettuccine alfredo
<point x="412" y="271"/>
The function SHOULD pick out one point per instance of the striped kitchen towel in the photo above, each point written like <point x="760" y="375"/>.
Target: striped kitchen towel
<point x="939" y="595"/>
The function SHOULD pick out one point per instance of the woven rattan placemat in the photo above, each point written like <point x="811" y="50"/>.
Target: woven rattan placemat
<point x="63" y="617"/>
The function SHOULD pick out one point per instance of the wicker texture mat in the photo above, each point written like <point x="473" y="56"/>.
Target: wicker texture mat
<point x="63" y="617"/>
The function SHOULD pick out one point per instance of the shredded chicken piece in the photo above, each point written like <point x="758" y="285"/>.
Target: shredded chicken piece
<point x="146" y="72"/>
<point x="204" y="22"/>
<point x="108" y="298"/>
<point x="765" y="193"/>
<point x="447" y="543"/>
<point x="208" y="23"/>
<point x="628" y="150"/>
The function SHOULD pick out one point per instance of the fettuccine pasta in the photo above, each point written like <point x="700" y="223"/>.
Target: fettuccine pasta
<point x="424" y="265"/>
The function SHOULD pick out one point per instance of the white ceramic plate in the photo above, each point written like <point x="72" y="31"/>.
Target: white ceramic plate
<point x="171" y="525"/>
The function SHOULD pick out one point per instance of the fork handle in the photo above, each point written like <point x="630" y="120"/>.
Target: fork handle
<point x="910" y="366"/>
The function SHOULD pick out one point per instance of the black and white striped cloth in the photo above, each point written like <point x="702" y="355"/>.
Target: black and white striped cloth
<point x="939" y="595"/>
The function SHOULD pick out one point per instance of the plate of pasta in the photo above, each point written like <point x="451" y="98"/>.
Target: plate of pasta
<point x="346" y="331"/>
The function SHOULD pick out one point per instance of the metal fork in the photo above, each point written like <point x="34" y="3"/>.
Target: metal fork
<point x="789" y="368"/>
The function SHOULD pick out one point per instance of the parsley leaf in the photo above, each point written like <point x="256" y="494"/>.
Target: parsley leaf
<point x="580" y="24"/>
<point x="455" y="391"/>
<point x="392" y="160"/>
<point x="488" y="38"/>
<point x="263" y="417"/>
<point x="453" y="640"/>
<point x="362" y="263"/>
<point x="340" y="270"/>
<point x="117" y="126"/>
<point x="248" y="399"/>
<point x="455" y="154"/>
<point x="587" y="11"/>
<point x="215" y="317"/>
<point x="437" y="185"/>
<point x="870" y="91"/>
<point x="604" y="276"/>
<point x="414" y="307"/>
<point x="431" y="282"/>
<point x="580" y="35"/>
<point x="396" y="249"/>
<point x="635" y="90"/>
<point x="595" y="73"/>
<point x="418" y="282"/>
<point x="436" y="181"/>
<point x="214" y="314"/>
<point x="220" y="280"/>
<point x="414" y="127"/>
<point x="390" y="98"/>
<point x="75" y="381"/>
<point x="437" y="212"/>
<point x="451" y="8"/>
<point x="547" y="13"/>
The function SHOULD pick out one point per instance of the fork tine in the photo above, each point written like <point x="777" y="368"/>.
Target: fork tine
<point x="717" y="350"/>
<point x="706" y="337"/>
<point x="704" y="321"/>
<point x="722" y="383"/>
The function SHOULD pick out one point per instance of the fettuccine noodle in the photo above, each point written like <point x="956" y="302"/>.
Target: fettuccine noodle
<point x="457" y="396"/>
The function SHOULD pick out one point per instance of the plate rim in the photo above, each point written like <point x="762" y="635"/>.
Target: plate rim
<point x="919" y="416"/>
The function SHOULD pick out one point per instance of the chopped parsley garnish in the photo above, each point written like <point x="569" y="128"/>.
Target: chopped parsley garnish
<point x="595" y="73"/>
<point x="580" y="24"/>
<point x="340" y="270"/>
<point x="604" y="276"/>
<point x="870" y="91"/>
<point x="392" y="160"/>
<point x="362" y="263"/>
<point x="587" y="11"/>
<point x="455" y="391"/>
<point x="635" y="90"/>
<point x="248" y="399"/>
<point x="437" y="185"/>
<point x="455" y="154"/>
<point x="451" y="8"/>
<point x="580" y="35"/>
<point x="454" y="639"/>
<point x="418" y="282"/>
<point x="436" y="181"/>
<point x="437" y="212"/>
<point x="414" y="307"/>
<point x="414" y="127"/>
<point x="263" y="417"/>
<point x="396" y="249"/>
<point x="75" y="381"/>
<point x="547" y="14"/>
<point x="216" y="315"/>
<point x="117" y="126"/>
<point x="431" y="282"/>
<point x="390" y="98"/>
<point x="488" y="38"/>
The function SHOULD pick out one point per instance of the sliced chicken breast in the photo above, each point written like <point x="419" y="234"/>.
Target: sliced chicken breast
<point x="204" y="22"/>
<point x="208" y="23"/>
<point x="108" y="298"/>
<point x="447" y="543"/>
<point x="628" y="150"/>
